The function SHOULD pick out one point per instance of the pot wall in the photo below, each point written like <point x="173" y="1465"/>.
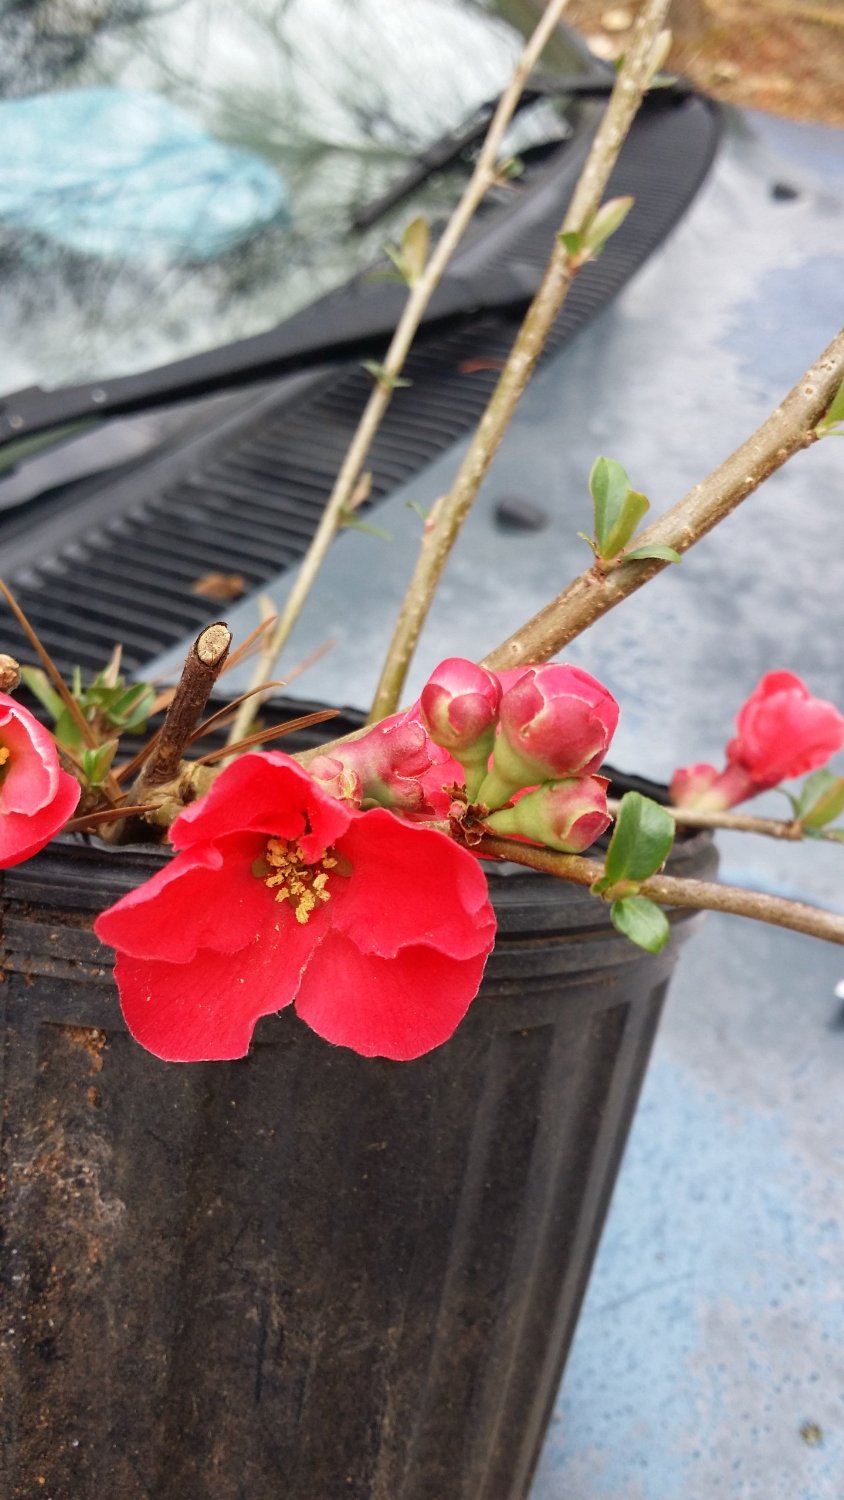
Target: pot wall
<point x="304" y="1274"/>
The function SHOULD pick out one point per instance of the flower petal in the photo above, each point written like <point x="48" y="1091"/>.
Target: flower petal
<point x="267" y="793"/>
<point x="32" y="777"/>
<point x="206" y="899"/>
<point x="24" y="834"/>
<point x="206" y="1010"/>
<point x="399" y="1007"/>
<point x="410" y="885"/>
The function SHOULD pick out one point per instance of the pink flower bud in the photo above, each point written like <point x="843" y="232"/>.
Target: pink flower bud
<point x="555" y="721"/>
<point x="394" y="764"/>
<point x="566" y="815"/>
<point x="459" y="707"/>
<point x="782" y="731"/>
<point x="691" y="785"/>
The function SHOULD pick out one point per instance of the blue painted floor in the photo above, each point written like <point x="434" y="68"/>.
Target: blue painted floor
<point x="709" y="1360"/>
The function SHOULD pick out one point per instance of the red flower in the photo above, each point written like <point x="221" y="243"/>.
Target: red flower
<point x="36" y="796"/>
<point x="378" y="929"/>
<point x="782" y="731"/>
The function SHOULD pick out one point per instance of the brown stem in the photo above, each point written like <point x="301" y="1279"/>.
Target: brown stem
<point x="785" y="432"/>
<point x="692" y="817"/>
<point x="668" y="890"/>
<point x="447" y="519"/>
<point x="203" y="665"/>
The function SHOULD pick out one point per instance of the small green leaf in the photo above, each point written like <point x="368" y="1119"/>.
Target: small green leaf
<point x="642" y="921"/>
<point x="96" y="763"/>
<point x="821" y="800"/>
<point x="414" y="245"/>
<point x="131" y="706"/>
<point x="618" y="508"/>
<point x="573" y="241"/>
<point x="642" y="837"/>
<point x="421" y="511"/>
<point x="834" y="414"/>
<point x="665" y="554"/>
<point x="835" y="833"/>
<point x="590" y="542"/>
<point x="67" y="731"/>
<point x="41" y="688"/>
<point x="606" y="222"/>
<point x="383" y="377"/>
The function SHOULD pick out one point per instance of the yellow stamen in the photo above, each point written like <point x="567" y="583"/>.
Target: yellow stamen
<point x="4" y="754"/>
<point x="296" y="881"/>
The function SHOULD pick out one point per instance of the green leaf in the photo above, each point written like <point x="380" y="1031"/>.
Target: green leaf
<point x="414" y="248"/>
<point x="836" y="833"/>
<point x="606" y="222"/>
<point x="132" y="706"/>
<point x="573" y="241"/>
<point x="834" y="414"/>
<point x="41" y="688"/>
<point x="665" y="554"/>
<point x="422" y="511"/>
<point x="590" y="542"/>
<point x="96" y="763"/>
<point x="821" y="799"/>
<point x="642" y="837"/>
<point x="379" y="373"/>
<point x="67" y="731"/>
<point x="618" y="508"/>
<point x="642" y="921"/>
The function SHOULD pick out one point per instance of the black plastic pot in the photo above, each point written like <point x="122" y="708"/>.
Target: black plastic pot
<point x="304" y="1275"/>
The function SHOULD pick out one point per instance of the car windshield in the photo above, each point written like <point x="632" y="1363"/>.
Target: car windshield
<point x="181" y="173"/>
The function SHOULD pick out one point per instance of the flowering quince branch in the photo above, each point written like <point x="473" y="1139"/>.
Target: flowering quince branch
<point x="640" y="63"/>
<point x="668" y="890"/>
<point x="422" y="287"/>
<point x="789" y="429"/>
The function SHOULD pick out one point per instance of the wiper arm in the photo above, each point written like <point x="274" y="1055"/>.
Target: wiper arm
<point x="445" y="151"/>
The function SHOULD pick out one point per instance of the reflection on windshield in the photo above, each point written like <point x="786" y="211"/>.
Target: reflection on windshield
<point x="305" y="110"/>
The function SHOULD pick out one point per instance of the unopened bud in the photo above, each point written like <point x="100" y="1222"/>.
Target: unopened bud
<point x="555" y="722"/>
<point x="564" y="815"/>
<point x="10" y="674"/>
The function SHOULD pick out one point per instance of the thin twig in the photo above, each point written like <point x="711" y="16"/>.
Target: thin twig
<point x="106" y="815"/>
<point x="483" y="177"/>
<point x="668" y="890"/>
<point x="263" y="736"/>
<point x="445" y="522"/>
<point x="788" y="430"/>
<point x="772" y="828"/>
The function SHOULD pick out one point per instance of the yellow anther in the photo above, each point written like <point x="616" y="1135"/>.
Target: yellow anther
<point x="293" y="879"/>
<point x="5" y="753"/>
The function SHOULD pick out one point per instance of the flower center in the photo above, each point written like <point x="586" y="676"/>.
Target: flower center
<point x="285" y="870"/>
<point x="5" y="757"/>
